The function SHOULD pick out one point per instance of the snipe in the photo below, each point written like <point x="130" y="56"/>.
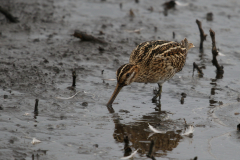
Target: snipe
<point x="152" y="62"/>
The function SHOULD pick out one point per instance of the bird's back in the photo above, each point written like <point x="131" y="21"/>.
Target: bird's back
<point x="161" y="59"/>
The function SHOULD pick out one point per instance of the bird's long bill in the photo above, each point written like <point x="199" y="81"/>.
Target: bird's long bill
<point x="114" y="95"/>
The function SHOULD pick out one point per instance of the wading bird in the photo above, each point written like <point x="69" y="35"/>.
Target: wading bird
<point x="152" y="62"/>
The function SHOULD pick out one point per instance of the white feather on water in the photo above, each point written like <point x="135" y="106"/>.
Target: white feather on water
<point x="135" y="31"/>
<point x="68" y="97"/>
<point x="188" y="131"/>
<point x="128" y="157"/>
<point x="154" y="129"/>
<point x="181" y="4"/>
<point x="27" y="114"/>
<point x="221" y="54"/>
<point x="34" y="141"/>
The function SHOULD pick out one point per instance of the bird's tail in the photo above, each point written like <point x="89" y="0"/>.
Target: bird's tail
<point x="186" y="44"/>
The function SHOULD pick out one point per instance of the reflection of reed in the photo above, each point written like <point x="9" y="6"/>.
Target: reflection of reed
<point x="200" y="73"/>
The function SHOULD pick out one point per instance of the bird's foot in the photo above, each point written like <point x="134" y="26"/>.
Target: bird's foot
<point x="154" y="99"/>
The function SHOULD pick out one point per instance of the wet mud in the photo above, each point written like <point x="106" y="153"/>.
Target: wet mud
<point x="40" y="58"/>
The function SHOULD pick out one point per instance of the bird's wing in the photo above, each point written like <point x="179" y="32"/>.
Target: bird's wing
<point x="174" y="56"/>
<point x="159" y="73"/>
<point x="146" y="51"/>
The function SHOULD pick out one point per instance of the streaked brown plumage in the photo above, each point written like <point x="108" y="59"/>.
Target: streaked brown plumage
<point x="152" y="62"/>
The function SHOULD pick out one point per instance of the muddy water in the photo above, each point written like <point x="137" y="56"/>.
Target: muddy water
<point x="38" y="56"/>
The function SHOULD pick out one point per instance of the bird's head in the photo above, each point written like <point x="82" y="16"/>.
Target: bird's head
<point x="126" y="74"/>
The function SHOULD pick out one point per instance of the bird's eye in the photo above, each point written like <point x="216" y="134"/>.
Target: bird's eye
<point x="128" y="74"/>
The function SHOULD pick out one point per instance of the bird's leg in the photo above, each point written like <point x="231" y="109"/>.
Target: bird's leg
<point x="158" y="106"/>
<point x="158" y="93"/>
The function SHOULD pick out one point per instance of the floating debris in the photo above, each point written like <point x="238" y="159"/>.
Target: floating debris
<point x="181" y="4"/>
<point x="68" y="97"/>
<point x="95" y="145"/>
<point x="155" y="29"/>
<point x="74" y="78"/>
<point x="154" y="129"/>
<point x="85" y="104"/>
<point x="120" y="5"/>
<point x="209" y="16"/>
<point x="195" y="158"/>
<point x="35" y="141"/>
<point x="135" y="31"/>
<point x="172" y="5"/>
<point x="101" y="33"/>
<point x="221" y="54"/>
<point x="131" y="13"/>
<point x="101" y="49"/>
<point x="238" y="127"/>
<point x="85" y="37"/>
<point x="169" y="5"/>
<point x="36" y="107"/>
<point x="131" y="156"/>
<point x="238" y="98"/>
<point x="188" y="131"/>
<point x="150" y="9"/>
<point x="27" y="114"/>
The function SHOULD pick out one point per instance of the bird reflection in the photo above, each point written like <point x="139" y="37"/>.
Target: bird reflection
<point x="137" y="135"/>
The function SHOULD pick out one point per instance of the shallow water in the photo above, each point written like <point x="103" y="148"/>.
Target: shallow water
<point x="38" y="56"/>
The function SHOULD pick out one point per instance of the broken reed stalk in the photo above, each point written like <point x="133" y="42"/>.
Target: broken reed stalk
<point x="85" y="37"/>
<point x="8" y="15"/>
<point x="36" y="107"/>
<point x="74" y="78"/>
<point x="198" y="69"/>
<point x="202" y="34"/>
<point x="215" y="53"/>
